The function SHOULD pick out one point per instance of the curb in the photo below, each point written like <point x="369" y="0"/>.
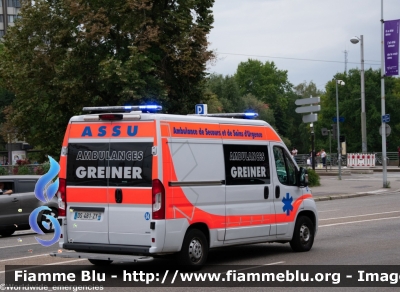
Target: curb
<point x="344" y="196"/>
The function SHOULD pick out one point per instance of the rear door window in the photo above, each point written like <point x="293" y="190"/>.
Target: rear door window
<point x="131" y="164"/>
<point x="87" y="164"/>
<point x="104" y="164"/>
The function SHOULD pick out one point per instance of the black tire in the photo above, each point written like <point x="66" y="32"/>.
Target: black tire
<point x="303" y="235"/>
<point x="7" y="233"/>
<point x="194" y="250"/>
<point x="54" y="213"/>
<point x="100" y="262"/>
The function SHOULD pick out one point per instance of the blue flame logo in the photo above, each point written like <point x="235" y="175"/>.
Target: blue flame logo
<point x="45" y="189"/>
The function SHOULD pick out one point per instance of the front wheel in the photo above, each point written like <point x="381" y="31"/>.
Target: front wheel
<point x="303" y="235"/>
<point x="194" y="250"/>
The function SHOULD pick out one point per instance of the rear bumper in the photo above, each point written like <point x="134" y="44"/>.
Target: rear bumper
<point x="108" y="248"/>
<point x="103" y="257"/>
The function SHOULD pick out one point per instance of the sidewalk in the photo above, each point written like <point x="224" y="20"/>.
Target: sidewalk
<point x="355" y="182"/>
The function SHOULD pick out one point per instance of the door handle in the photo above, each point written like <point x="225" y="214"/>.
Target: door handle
<point x="15" y="200"/>
<point x="277" y="192"/>
<point x="118" y="196"/>
<point x="266" y="192"/>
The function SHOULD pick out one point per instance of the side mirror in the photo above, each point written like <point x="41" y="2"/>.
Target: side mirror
<point x="303" y="177"/>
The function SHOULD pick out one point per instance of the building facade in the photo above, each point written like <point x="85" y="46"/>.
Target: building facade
<point x="9" y="12"/>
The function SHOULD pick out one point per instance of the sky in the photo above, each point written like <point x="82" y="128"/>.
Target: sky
<point x="277" y="30"/>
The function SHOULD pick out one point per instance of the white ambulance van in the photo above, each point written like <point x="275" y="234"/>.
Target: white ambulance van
<point x="135" y="185"/>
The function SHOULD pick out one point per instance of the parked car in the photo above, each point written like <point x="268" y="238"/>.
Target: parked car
<point x="16" y="207"/>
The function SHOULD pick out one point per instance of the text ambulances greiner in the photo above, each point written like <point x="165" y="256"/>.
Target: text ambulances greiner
<point x="109" y="172"/>
<point x="248" y="171"/>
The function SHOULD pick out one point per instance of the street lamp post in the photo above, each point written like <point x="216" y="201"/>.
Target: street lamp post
<point x="355" y="40"/>
<point x="383" y="110"/>
<point x="341" y="82"/>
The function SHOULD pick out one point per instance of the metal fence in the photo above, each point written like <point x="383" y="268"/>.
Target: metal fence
<point x="332" y="159"/>
<point x="39" y="169"/>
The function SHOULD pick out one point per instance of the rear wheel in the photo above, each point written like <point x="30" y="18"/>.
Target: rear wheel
<point x="194" y="250"/>
<point x="7" y="233"/>
<point x="54" y="214"/>
<point x="100" y="262"/>
<point x="303" y="236"/>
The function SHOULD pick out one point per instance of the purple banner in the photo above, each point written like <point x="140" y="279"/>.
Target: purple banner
<point x="391" y="43"/>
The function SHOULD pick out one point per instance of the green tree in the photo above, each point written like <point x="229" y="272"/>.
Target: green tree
<point x="350" y="108"/>
<point x="63" y="55"/>
<point x="6" y="99"/>
<point x="227" y="91"/>
<point x="265" y="81"/>
<point x="269" y="84"/>
<point x="251" y="103"/>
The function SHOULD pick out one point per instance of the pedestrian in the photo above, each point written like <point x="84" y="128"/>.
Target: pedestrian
<point x="294" y="152"/>
<point x="323" y="157"/>
<point x="4" y="190"/>
<point x="398" y="151"/>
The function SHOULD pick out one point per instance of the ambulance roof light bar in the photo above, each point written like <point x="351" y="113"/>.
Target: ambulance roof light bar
<point x="125" y="108"/>
<point x="230" y="115"/>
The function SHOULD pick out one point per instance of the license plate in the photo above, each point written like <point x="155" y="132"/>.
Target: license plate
<point x="87" y="216"/>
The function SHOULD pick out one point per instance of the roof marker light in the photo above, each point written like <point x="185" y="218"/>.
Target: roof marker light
<point x="150" y="107"/>
<point x="251" y="115"/>
<point x="126" y="108"/>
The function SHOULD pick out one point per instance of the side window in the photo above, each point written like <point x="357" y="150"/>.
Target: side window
<point x="26" y="186"/>
<point x="8" y="186"/>
<point x="291" y="170"/>
<point x="246" y="164"/>
<point x="286" y="170"/>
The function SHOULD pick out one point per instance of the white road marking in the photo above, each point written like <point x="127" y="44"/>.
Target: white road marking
<point x="59" y="263"/>
<point x="361" y="179"/>
<point x="328" y="210"/>
<point x="18" y="245"/>
<point x="15" y="259"/>
<point x="34" y="256"/>
<point x="361" y="221"/>
<point x="372" y="214"/>
<point x="374" y="192"/>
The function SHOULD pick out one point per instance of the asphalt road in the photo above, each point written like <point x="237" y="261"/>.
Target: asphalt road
<point x="356" y="231"/>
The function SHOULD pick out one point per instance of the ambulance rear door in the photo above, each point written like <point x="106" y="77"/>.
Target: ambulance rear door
<point x="87" y="190"/>
<point x="130" y="183"/>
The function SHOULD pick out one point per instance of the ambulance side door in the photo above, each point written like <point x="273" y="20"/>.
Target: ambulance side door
<point x="286" y="193"/>
<point x="249" y="200"/>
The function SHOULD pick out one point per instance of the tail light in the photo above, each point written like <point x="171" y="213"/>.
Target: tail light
<point x="62" y="197"/>
<point x="158" y="198"/>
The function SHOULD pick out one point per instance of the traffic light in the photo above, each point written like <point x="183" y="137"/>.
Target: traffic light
<point x="342" y="138"/>
<point x="334" y="131"/>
